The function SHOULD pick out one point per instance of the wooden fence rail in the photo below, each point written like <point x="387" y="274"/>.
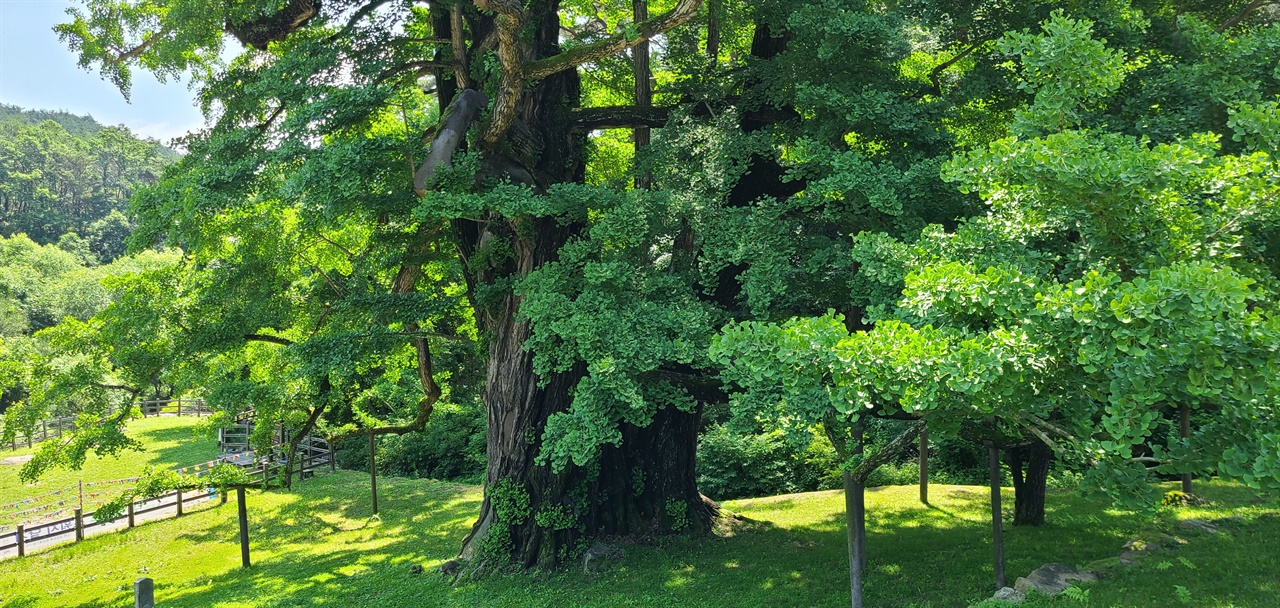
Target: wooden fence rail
<point x="309" y="460"/>
<point x="54" y="427"/>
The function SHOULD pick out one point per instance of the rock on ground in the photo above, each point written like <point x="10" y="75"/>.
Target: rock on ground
<point x="1052" y="579"/>
<point x="1198" y="525"/>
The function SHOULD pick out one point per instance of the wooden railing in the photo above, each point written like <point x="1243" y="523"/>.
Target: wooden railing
<point x="313" y="455"/>
<point x="55" y="427"/>
<point x="77" y="526"/>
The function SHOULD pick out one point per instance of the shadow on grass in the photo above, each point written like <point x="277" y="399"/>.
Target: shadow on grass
<point x="319" y="547"/>
<point x="185" y="444"/>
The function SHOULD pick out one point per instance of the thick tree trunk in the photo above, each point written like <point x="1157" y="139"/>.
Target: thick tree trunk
<point x="1029" y="466"/>
<point x="645" y="486"/>
<point x="531" y="514"/>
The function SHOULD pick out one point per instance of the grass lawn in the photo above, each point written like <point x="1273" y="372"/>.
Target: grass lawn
<point x="171" y="441"/>
<point x="319" y="547"/>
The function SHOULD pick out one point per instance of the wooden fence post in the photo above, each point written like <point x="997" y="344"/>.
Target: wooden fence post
<point x="131" y="513"/>
<point x="1184" y="426"/>
<point x="44" y="430"/>
<point x="22" y="540"/>
<point x="997" y="525"/>
<point x="79" y="525"/>
<point x="373" y="474"/>
<point x="179" y="503"/>
<point x="924" y="465"/>
<point x="244" y="528"/>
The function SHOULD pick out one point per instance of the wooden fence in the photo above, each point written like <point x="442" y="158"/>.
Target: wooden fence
<point x="79" y="525"/>
<point x="313" y="455"/>
<point x="53" y="428"/>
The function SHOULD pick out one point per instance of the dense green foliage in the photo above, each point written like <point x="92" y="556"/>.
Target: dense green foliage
<point x="1113" y="279"/>
<point x="66" y="179"/>
<point x="1016" y="221"/>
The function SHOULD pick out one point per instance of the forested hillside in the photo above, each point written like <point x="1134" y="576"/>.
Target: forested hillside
<point x="66" y="180"/>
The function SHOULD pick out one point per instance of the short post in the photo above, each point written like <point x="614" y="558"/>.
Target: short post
<point x="333" y="463"/>
<point x="130" y="512"/>
<point x="28" y="440"/>
<point x="44" y="430"/>
<point x="266" y="463"/>
<point x="144" y="593"/>
<point x="179" y="503"/>
<point x="224" y="497"/>
<point x="179" y="407"/>
<point x="244" y="528"/>
<point x="997" y="525"/>
<point x="373" y="474"/>
<point x="1184" y="415"/>
<point x="22" y="540"/>
<point x="924" y="465"/>
<point x="79" y="525"/>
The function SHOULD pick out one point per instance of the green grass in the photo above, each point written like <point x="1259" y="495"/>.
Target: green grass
<point x="319" y="547"/>
<point x="170" y="441"/>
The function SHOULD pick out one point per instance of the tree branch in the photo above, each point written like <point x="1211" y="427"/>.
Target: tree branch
<point x="418" y="66"/>
<point x="511" y="19"/>
<point x="350" y="256"/>
<point x="706" y="389"/>
<point x="618" y="117"/>
<point x="123" y="56"/>
<point x="453" y="131"/>
<point x="1234" y="21"/>
<point x="118" y="387"/>
<point x="463" y="71"/>
<point x="892" y="450"/>
<point x="270" y="339"/>
<point x="355" y="18"/>
<point x="936" y="73"/>
<point x="683" y="11"/>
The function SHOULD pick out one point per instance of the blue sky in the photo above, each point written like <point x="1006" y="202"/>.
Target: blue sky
<point x="37" y="71"/>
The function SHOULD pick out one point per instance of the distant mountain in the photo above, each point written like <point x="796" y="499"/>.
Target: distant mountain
<point x="67" y="180"/>
<point x="80" y="126"/>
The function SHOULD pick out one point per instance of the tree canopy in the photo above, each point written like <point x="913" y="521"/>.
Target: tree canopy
<point x="919" y="208"/>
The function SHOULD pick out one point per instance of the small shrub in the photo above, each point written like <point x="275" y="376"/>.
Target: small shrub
<point x="452" y="447"/>
<point x="1176" y="498"/>
<point x="733" y="465"/>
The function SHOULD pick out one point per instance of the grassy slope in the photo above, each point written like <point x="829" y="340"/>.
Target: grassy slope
<point x="319" y="548"/>
<point x="170" y="442"/>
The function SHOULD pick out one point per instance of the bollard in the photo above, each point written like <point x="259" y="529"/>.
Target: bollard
<point x="130" y="513"/>
<point x="22" y="540"/>
<point x="79" y="525"/>
<point x="243" y="515"/>
<point x="373" y="474"/>
<point x="924" y="465"/>
<point x="179" y="503"/>
<point x="997" y="526"/>
<point x="144" y="593"/>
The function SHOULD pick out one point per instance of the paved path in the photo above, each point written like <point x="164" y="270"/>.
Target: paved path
<point x="169" y="511"/>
